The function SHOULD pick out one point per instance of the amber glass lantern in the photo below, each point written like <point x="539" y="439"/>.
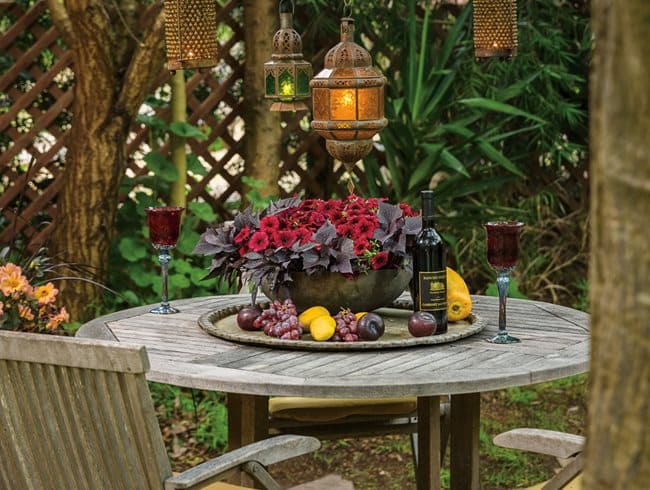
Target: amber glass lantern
<point x="495" y="28"/>
<point x="348" y="99"/>
<point x="287" y="74"/>
<point x="191" y="33"/>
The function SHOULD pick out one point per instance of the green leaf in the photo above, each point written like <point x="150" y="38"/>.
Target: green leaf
<point x="152" y="122"/>
<point x="203" y="211"/>
<point x="513" y="290"/>
<point x="253" y="183"/>
<point x="496" y="156"/>
<point x="493" y="105"/>
<point x="187" y="242"/>
<point x="422" y="172"/>
<point x="186" y="130"/>
<point x="142" y="277"/>
<point x="195" y="166"/>
<point x="160" y="166"/>
<point x="132" y="250"/>
<point x="178" y="281"/>
<point x="453" y="163"/>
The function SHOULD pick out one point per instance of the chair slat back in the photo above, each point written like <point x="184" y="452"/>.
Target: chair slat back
<point x="77" y="414"/>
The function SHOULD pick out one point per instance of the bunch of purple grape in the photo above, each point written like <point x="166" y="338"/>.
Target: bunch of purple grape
<point x="346" y="327"/>
<point x="280" y="320"/>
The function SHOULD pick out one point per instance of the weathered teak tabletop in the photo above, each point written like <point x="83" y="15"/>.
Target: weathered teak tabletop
<point x="555" y="344"/>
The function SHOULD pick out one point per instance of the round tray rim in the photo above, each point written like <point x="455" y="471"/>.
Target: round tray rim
<point x="207" y="323"/>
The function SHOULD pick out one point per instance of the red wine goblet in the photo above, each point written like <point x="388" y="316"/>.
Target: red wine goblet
<point x="164" y="228"/>
<point x="502" y="254"/>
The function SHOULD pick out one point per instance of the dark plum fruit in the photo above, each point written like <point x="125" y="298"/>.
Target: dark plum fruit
<point x="371" y="326"/>
<point x="422" y="324"/>
<point x="247" y="316"/>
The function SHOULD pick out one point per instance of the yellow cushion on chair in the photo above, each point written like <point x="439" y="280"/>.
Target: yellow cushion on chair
<point x="330" y="409"/>
<point x="220" y="485"/>
<point x="575" y="484"/>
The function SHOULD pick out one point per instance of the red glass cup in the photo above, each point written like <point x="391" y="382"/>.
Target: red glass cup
<point x="164" y="228"/>
<point x="164" y="225"/>
<point x="502" y="255"/>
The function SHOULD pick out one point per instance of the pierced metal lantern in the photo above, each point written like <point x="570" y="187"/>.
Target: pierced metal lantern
<point x="348" y="99"/>
<point x="191" y="33"/>
<point x="495" y="28"/>
<point x="287" y="74"/>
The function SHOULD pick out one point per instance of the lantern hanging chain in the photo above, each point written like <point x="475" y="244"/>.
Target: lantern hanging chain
<point x="347" y="8"/>
<point x="126" y="26"/>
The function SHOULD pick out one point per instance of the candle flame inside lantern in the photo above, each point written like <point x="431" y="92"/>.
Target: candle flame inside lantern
<point x="286" y="88"/>
<point x="347" y="99"/>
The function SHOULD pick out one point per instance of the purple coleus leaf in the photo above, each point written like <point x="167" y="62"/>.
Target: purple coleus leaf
<point x="388" y="214"/>
<point x="326" y="234"/>
<point x="282" y="204"/>
<point x="343" y="257"/>
<point x="247" y="218"/>
<point x="412" y="225"/>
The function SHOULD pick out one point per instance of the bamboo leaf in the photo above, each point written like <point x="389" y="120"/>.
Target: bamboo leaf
<point x="493" y="105"/>
<point x="499" y="158"/>
<point x="453" y="163"/>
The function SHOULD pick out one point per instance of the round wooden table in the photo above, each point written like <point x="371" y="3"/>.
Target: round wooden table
<point x="554" y="344"/>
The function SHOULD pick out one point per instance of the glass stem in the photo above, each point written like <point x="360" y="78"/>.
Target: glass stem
<point x="164" y="257"/>
<point x="503" y="281"/>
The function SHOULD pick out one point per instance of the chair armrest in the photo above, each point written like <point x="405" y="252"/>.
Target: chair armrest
<point x="553" y="443"/>
<point x="266" y="452"/>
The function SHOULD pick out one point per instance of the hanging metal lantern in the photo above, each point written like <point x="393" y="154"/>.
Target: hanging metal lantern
<point x="191" y="33"/>
<point x="495" y="28"/>
<point x="287" y="74"/>
<point x="348" y="99"/>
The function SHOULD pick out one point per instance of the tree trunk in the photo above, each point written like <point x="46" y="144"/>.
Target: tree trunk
<point x="618" y="447"/>
<point x="113" y="73"/>
<point x="262" y="144"/>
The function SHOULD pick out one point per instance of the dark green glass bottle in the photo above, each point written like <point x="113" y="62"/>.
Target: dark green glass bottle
<point x="430" y="268"/>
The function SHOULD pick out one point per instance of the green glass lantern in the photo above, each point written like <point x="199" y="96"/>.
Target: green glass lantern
<point x="287" y="74"/>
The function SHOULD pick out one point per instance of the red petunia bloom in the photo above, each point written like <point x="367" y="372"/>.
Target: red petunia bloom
<point x="360" y="246"/>
<point x="243" y="251"/>
<point x="379" y="260"/>
<point x="285" y="238"/>
<point x="344" y="229"/>
<point x="364" y="228"/>
<point x="269" y="223"/>
<point x="243" y="235"/>
<point x="407" y="210"/>
<point x="259" y="241"/>
<point x="303" y="234"/>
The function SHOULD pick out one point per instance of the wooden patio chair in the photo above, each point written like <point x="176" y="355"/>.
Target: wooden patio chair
<point x="337" y="418"/>
<point x="77" y="414"/>
<point x="567" y="448"/>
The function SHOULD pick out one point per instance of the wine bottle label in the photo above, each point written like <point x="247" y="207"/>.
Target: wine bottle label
<point x="433" y="290"/>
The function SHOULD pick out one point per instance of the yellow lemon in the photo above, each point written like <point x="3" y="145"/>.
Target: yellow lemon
<point x="459" y="305"/>
<point x="360" y="314"/>
<point x="455" y="282"/>
<point x="322" y="328"/>
<point x="308" y="316"/>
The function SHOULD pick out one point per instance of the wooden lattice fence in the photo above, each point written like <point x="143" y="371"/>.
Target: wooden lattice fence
<point x="36" y="93"/>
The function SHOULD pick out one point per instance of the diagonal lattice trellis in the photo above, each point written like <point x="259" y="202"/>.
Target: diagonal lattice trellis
<point x="36" y="81"/>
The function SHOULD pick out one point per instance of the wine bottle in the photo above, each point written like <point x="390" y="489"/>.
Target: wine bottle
<point x="429" y="268"/>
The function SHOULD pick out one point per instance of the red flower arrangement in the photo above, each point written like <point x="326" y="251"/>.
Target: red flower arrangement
<point x="350" y="236"/>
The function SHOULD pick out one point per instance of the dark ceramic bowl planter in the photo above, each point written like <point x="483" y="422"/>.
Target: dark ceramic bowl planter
<point x="333" y="290"/>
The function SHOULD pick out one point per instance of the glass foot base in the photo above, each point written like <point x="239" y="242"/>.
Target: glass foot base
<point x="164" y="310"/>
<point x="503" y="338"/>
